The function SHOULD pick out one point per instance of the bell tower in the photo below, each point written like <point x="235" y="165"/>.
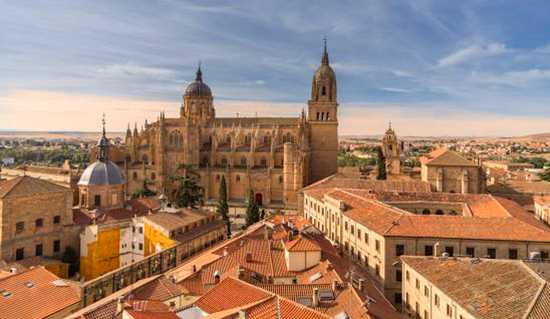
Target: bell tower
<point x="323" y="121"/>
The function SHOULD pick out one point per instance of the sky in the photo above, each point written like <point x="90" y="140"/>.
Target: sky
<point x="479" y="68"/>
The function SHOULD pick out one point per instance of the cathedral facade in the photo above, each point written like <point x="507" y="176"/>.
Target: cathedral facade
<point x="272" y="156"/>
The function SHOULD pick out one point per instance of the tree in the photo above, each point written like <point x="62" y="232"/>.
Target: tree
<point x="223" y="207"/>
<point x="381" y="162"/>
<point x="144" y="191"/>
<point x="188" y="192"/>
<point x="252" y="210"/>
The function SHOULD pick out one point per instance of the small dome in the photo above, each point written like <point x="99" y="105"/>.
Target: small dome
<point x="102" y="173"/>
<point x="198" y="87"/>
<point x="323" y="72"/>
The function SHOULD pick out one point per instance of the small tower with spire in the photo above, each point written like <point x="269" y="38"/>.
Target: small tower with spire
<point x="391" y="150"/>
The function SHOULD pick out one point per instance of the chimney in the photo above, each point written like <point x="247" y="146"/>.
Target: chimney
<point x="436" y="249"/>
<point x="120" y="304"/>
<point x="248" y="257"/>
<point x="243" y="314"/>
<point x="315" y="297"/>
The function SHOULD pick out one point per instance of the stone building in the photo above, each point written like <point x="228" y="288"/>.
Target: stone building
<point x="375" y="228"/>
<point x="35" y="219"/>
<point x="102" y="184"/>
<point x="449" y="172"/>
<point x="274" y="157"/>
<point x="470" y="288"/>
<point x="391" y="150"/>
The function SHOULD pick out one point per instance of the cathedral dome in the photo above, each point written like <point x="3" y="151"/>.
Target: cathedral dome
<point x="102" y="173"/>
<point x="198" y="87"/>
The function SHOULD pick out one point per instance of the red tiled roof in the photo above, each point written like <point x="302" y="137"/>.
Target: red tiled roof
<point x="28" y="186"/>
<point x="41" y="300"/>
<point x="445" y="157"/>
<point x="302" y="244"/>
<point x="162" y="289"/>
<point x="230" y="293"/>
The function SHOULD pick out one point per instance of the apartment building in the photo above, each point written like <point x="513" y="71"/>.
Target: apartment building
<point x="376" y="228"/>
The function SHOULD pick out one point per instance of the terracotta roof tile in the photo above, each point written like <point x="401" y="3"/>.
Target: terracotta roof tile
<point x="22" y="301"/>
<point x="302" y="244"/>
<point x="484" y="287"/>
<point x="28" y="186"/>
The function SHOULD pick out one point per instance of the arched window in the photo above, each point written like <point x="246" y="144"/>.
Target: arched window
<point x="439" y="212"/>
<point x="426" y="212"/>
<point x="323" y="90"/>
<point x="243" y="161"/>
<point x="238" y="178"/>
<point x="318" y="116"/>
<point x="176" y="139"/>
<point x="327" y="117"/>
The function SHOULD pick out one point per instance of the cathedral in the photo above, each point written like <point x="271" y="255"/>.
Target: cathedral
<point x="272" y="156"/>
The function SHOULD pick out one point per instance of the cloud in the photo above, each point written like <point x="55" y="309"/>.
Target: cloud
<point x="396" y="90"/>
<point x="514" y="78"/>
<point x="132" y="70"/>
<point x="472" y="52"/>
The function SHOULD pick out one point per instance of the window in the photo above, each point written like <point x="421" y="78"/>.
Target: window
<point x="449" y="311"/>
<point x="471" y="251"/>
<point x="263" y="162"/>
<point x="366" y="238"/>
<point x="38" y="250"/>
<point x="19" y="227"/>
<point x="428" y="250"/>
<point x="140" y="246"/>
<point x="39" y="223"/>
<point x="398" y="298"/>
<point x="352" y="229"/>
<point x="544" y="254"/>
<point x="97" y="200"/>
<point x="450" y="250"/>
<point x="426" y="291"/>
<point x="57" y="219"/>
<point x="417" y="284"/>
<point x="238" y="178"/>
<point x="398" y="275"/>
<point x="492" y="253"/>
<point x="134" y="176"/>
<point x="323" y="91"/>
<point x="436" y="300"/>
<point x="20" y="253"/>
<point x="407" y="301"/>
<point x="56" y="246"/>
<point x="359" y="233"/>
<point x="141" y="230"/>
<point x="377" y="245"/>
<point x="407" y="275"/>
<point x="426" y="212"/>
<point x="153" y="176"/>
<point x="439" y="212"/>
<point x="426" y="314"/>
<point x="377" y="268"/>
<point x="513" y="253"/>
<point x="346" y="226"/>
<point x="281" y="179"/>
<point x="399" y="250"/>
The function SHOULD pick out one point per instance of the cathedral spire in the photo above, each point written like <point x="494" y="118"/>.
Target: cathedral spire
<point x="324" y="60"/>
<point x="103" y="144"/>
<point x="198" y="76"/>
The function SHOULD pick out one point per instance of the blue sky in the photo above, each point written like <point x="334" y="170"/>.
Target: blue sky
<point x="432" y="67"/>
